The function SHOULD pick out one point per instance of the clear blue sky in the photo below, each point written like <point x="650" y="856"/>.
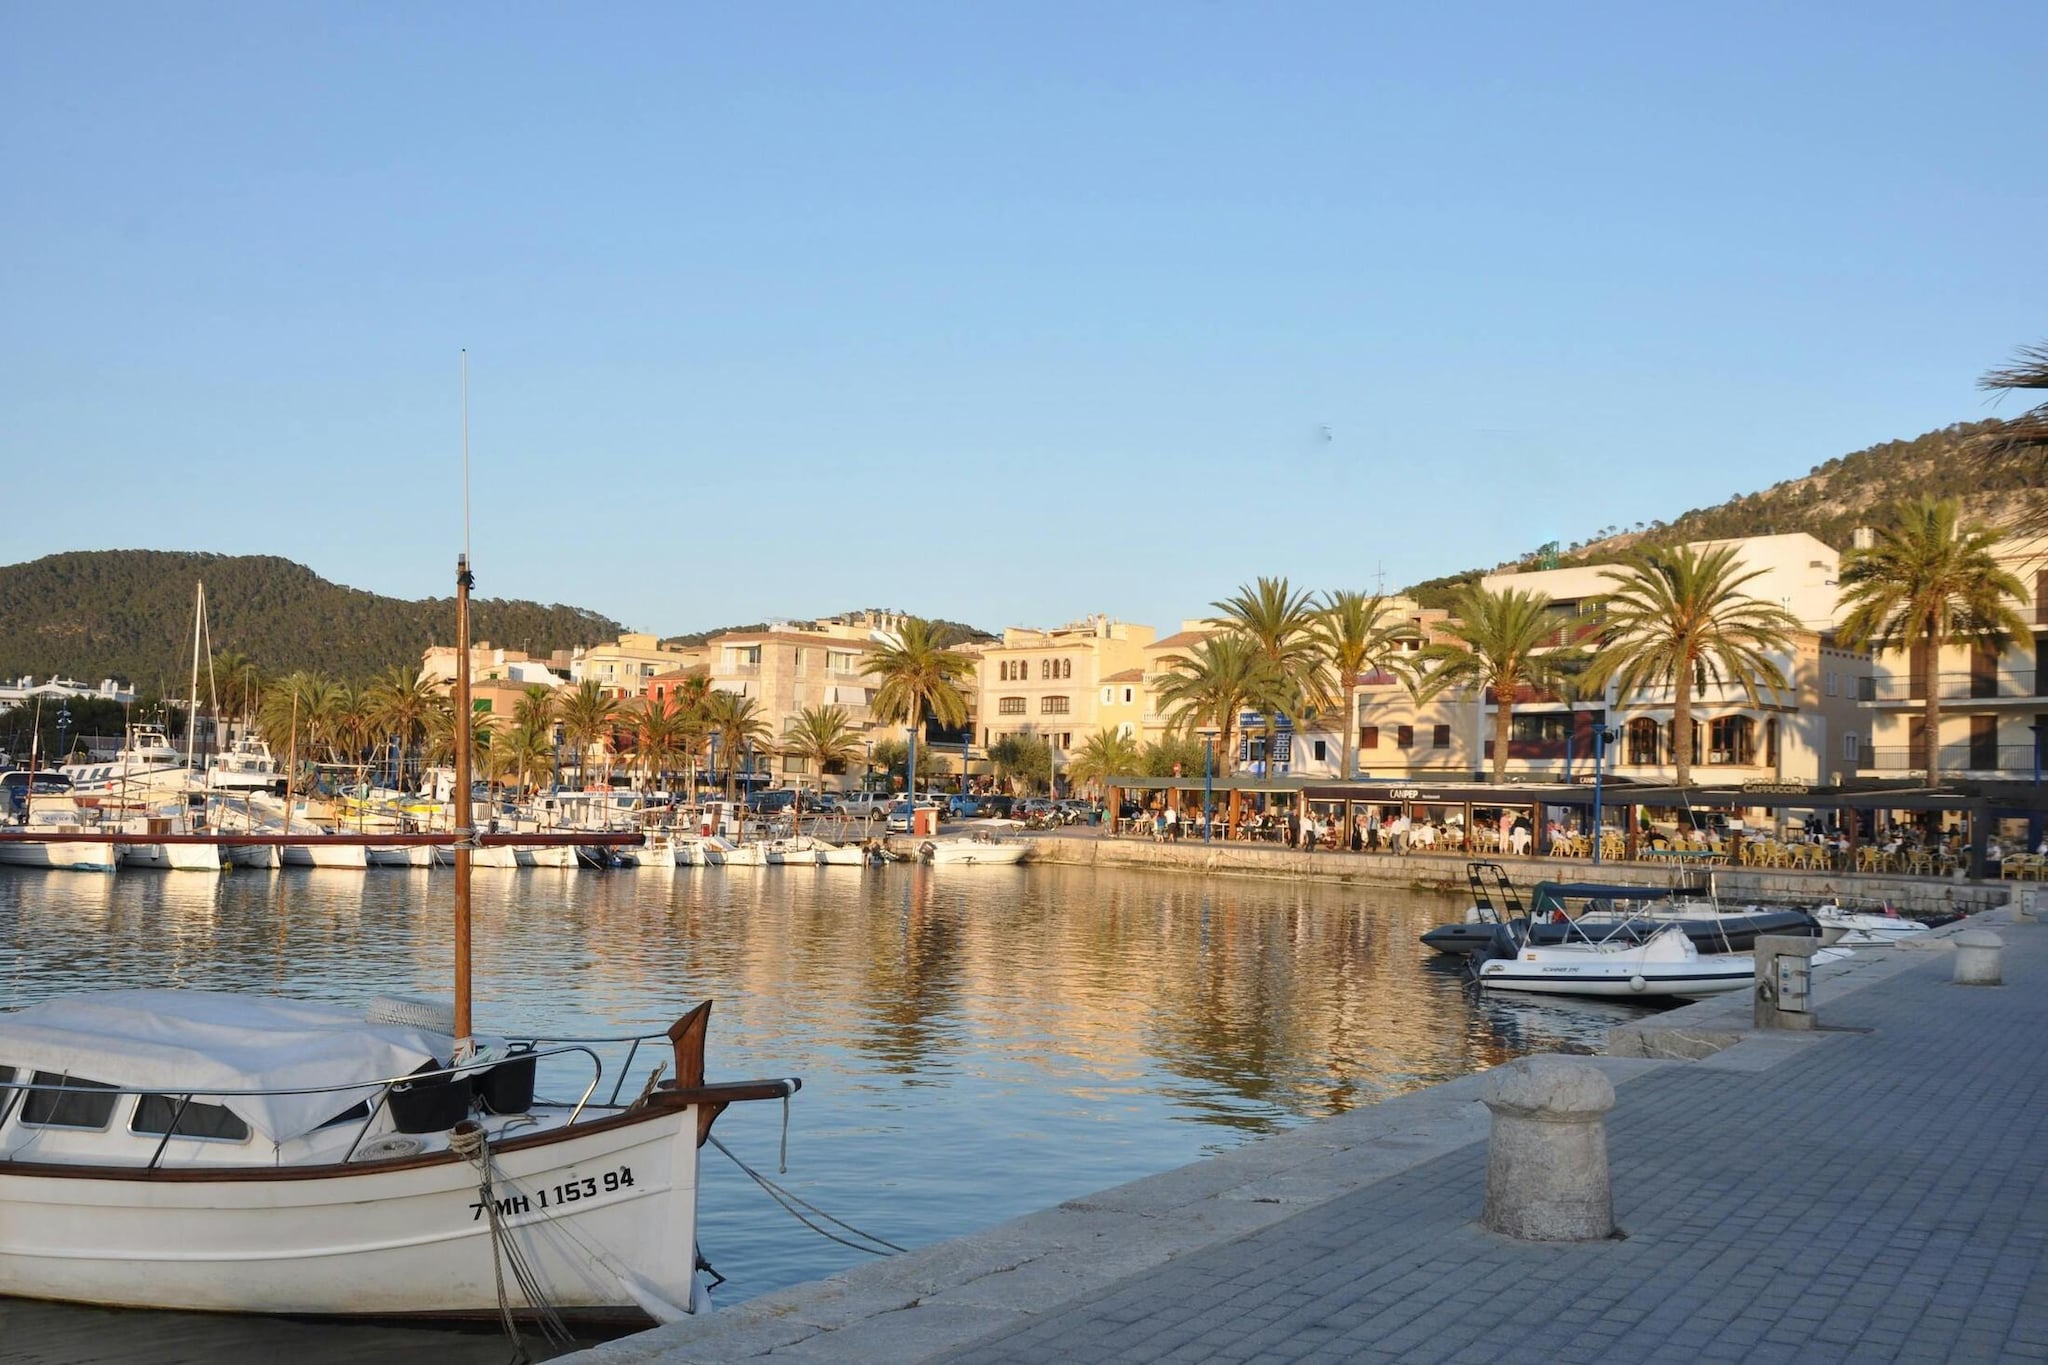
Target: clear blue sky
<point x="1007" y="313"/>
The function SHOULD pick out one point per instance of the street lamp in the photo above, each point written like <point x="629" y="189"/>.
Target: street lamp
<point x="867" y="768"/>
<point x="63" y="725"/>
<point x="1208" y="734"/>
<point x="1603" y="735"/>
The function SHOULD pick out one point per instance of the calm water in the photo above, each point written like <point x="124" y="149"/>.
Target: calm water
<point x="975" y="1043"/>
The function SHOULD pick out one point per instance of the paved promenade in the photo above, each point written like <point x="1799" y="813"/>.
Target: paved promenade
<point x="1877" y="1191"/>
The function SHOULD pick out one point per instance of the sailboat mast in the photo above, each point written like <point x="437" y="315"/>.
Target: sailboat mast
<point x="192" y="708"/>
<point x="465" y="821"/>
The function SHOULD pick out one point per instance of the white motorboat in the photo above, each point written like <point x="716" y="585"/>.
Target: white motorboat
<point x="842" y="855"/>
<point x="978" y="850"/>
<point x="47" y="806"/>
<point x="1866" y="927"/>
<point x="258" y="857"/>
<point x="146" y="769"/>
<point x="1664" y="965"/>
<point x="546" y="855"/>
<point x="497" y="857"/>
<point x="245" y="766"/>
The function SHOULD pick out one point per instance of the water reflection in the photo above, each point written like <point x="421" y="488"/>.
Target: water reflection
<point x="976" y="1043"/>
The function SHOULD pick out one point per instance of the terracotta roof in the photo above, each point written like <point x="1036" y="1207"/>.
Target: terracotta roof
<point x="1185" y="638"/>
<point x="1128" y="675"/>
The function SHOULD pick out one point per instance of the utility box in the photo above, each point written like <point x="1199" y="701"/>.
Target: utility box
<point x="924" y="822"/>
<point x="1784" y="981"/>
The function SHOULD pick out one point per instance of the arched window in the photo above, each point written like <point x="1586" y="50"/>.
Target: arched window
<point x="1644" y="741"/>
<point x="1731" y="740"/>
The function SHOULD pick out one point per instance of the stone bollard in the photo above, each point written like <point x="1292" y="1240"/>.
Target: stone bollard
<point x="1546" y="1163"/>
<point x="1977" y="954"/>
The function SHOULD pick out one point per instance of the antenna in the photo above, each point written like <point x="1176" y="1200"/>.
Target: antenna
<point x="465" y="452"/>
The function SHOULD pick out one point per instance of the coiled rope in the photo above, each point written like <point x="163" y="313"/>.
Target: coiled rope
<point x="800" y="1209"/>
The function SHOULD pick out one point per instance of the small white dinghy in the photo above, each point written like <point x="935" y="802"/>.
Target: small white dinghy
<point x="1665" y="965"/>
<point x="1866" y="927"/>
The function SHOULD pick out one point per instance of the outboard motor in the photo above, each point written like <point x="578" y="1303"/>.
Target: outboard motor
<point x="1506" y="942"/>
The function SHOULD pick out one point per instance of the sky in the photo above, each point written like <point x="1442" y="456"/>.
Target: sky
<point x="1006" y="313"/>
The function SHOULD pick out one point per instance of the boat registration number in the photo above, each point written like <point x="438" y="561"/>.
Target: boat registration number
<point x="568" y="1192"/>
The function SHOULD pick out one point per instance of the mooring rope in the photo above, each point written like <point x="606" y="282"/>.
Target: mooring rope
<point x="467" y="1141"/>
<point x="791" y="1203"/>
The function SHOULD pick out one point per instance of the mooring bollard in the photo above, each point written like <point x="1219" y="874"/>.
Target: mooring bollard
<point x="1546" y="1163"/>
<point x="1977" y="955"/>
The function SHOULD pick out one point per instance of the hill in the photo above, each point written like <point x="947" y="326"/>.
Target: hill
<point x="1828" y="502"/>
<point x="93" y="614"/>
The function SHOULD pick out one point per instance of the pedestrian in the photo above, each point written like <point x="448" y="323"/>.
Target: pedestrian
<point x="1173" y="823"/>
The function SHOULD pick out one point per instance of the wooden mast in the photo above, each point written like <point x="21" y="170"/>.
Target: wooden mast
<point x="465" y="810"/>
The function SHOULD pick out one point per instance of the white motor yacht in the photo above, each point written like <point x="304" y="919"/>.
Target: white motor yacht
<point x="245" y="766"/>
<point x="147" y="769"/>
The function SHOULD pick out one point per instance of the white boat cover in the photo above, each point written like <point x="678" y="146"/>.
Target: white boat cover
<point x="205" y="1043"/>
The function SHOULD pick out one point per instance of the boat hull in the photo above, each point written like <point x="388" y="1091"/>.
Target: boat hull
<point x="173" y="857"/>
<point x="262" y="857"/>
<point x="1701" y="981"/>
<point x="968" y="853"/>
<point x="325" y="855"/>
<point x="403" y="855"/>
<point x="390" y="1238"/>
<point x="68" y="856"/>
<point x="547" y="855"/>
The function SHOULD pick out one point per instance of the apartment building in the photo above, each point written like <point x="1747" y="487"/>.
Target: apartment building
<point x="623" y="667"/>
<point x="487" y="663"/>
<point x="1154" y="722"/>
<point x="1994" y="702"/>
<point x="792" y="666"/>
<point x="1057" y="684"/>
<point x="1810" y="732"/>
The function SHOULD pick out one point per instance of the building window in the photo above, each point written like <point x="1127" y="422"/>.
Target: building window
<point x="1108" y="695"/>
<point x="1731" y="740"/>
<point x="839" y="660"/>
<point x="1052" y="706"/>
<point x="1044" y="669"/>
<point x="1643" y="736"/>
<point x="1404" y="736"/>
<point x="1834" y="682"/>
<point x="1440" y="737"/>
<point x="1852" y="748"/>
<point x="1066" y="668"/>
<point x="1010" y="706"/>
<point x="1368" y="736"/>
<point x="795" y="764"/>
<point x="1322" y="756"/>
<point x="1130" y="695"/>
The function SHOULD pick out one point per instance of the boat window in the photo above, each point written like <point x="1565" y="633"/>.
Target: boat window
<point x="77" y="1104"/>
<point x="354" y="1112"/>
<point x="155" y="1114"/>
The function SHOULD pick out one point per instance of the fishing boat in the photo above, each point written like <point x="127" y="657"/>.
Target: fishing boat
<point x="250" y="1154"/>
<point x="33" y="803"/>
<point x="244" y="766"/>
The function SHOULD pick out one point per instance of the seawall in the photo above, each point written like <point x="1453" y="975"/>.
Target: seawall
<point x="1444" y="873"/>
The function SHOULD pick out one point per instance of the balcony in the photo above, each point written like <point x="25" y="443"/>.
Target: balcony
<point x="2015" y="685"/>
<point x="2004" y="760"/>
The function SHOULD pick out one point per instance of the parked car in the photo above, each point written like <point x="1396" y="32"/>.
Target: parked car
<point x="823" y="803"/>
<point x="773" y="801"/>
<point x="963" y="807"/>
<point x="997" y="806"/>
<point x="862" y="805"/>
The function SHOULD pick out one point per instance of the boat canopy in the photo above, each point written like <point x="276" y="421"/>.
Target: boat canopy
<point x="1548" y="897"/>
<point x="204" y="1043"/>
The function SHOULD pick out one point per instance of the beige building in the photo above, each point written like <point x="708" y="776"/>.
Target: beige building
<point x="793" y="666"/>
<point x="486" y="664"/>
<point x="1154" y="723"/>
<point x="1056" y="684"/>
<point x="1991" y="700"/>
<point x="623" y="667"/>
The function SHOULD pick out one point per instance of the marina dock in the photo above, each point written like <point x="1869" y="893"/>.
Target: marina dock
<point x="1873" y="1190"/>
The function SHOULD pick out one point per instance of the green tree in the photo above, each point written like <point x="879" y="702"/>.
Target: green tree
<point x="1024" y="761"/>
<point x="1211" y="685"/>
<point x="825" y="738"/>
<point x="1680" y="618"/>
<point x="400" y="702"/>
<point x="891" y="757"/>
<point x="1360" y="634"/>
<point x="1925" y="584"/>
<point x="920" y="676"/>
<point x="662" y="734"/>
<point x="1280" y="624"/>
<point x="588" y="718"/>
<point x="1106" y="754"/>
<point x="736" y="722"/>
<point x="1178" y="756"/>
<point x="1500" y="642"/>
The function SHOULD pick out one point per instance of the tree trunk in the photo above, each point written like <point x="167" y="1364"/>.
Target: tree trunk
<point x="1681" y="728"/>
<point x="1350" y="736"/>
<point x="1930" y="727"/>
<point x="1503" y="722"/>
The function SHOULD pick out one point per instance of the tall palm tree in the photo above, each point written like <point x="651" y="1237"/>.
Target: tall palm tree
<point x="659" y="737"/>
<point x="2025" y="435"/>
<point x="1680" y="618"/>
<point x="588" y="717"/>
<point x="241" y="685"/>
<point x="1210" y="685"/>
<point x="1927" y="583"/>
<point x="920" y="676"/>
<point x="736" y="722"/>
<point x="822" y="735"/>
<point x="400" y="701"/>
<point x="1499" y="642"/>
<point x="1360" y="634"/>
<point x="533" y="731"/>
<point x="1280" y="624"/>
<point x="1105" y="754"/>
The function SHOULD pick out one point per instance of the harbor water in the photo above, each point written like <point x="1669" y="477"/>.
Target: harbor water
<point x="975" y="1043"/>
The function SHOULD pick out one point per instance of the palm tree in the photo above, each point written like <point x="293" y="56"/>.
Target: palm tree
<point x="240" y="683"/>
<point x="660" y="737"/>
<point x="1280" y="624"/>
<point x="1210" y="685"/>
<point x="1103" y="755"/>
<point x="1680" y="618"/>
<point x="920" y="677"/>
<point x="532" y="735"/>
<point x="822" y="735"/>
<point x="737" y="723"/>
<point x="587" y="717"/>
<point x="400" y="701"/>
<point x="1360" y="634"/>
<point x="1925" y="584"/>
<point x="2025" y="435"/>
<point x="1498" y="642"/>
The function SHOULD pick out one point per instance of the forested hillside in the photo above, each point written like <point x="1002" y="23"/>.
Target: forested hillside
<point x="1828" y="502"/>
<point x="127" y="614"/>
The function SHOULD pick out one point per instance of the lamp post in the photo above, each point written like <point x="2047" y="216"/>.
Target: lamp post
<point x="867" y="768"/>
<point x="1208" y="733"/>
<point x="63" y="726"/>
<point x="1603" y="735"/>
<point x="2040" y="728"/>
